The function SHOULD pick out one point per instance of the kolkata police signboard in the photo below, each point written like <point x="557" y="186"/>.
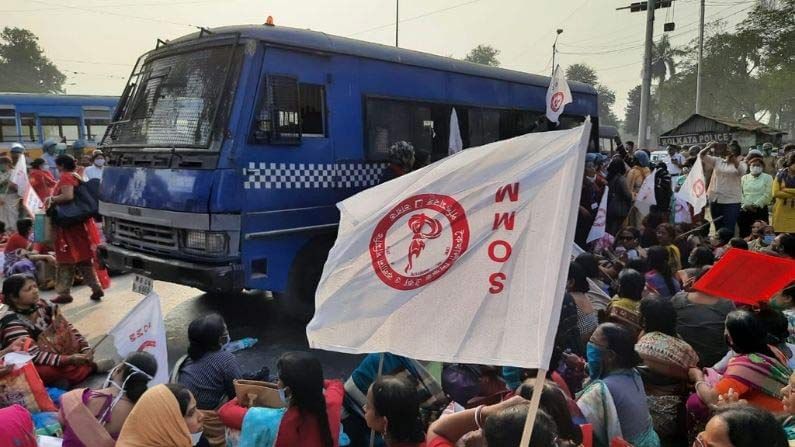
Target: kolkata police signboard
<point x="700" y="138"/>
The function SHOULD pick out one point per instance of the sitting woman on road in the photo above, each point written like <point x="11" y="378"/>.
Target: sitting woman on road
<point x="95" y="418"/>
<point x="393" y="410"/>
<point x="625" y="308"/>
<point x="209" y="372"/>
<point x="577" y="287"/>
<point x="165" y="416"/>
<point x="62" y="356"/>
<point x="660" y="278"/>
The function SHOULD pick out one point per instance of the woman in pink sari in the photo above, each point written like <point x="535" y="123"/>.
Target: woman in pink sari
<point x="95" y="418"/>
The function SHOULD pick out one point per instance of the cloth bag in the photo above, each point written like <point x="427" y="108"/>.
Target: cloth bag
<point x="23" y="386"/>
<point x="255" y="393"/>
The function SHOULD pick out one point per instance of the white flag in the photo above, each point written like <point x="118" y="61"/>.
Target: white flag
<point x="645" y="198"/>
<point x="456" y="144"/>
<point x="19" y="177"/>
<point x="455" y="262"/>
<point x="681" y="211"/>
<point x="558" y="95"/>
<point x="694" y="189"/>
<point x="600" y="222"/>
<point x="142" y="329"/>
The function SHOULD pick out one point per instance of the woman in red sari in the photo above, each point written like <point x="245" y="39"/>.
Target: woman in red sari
<point x="73" y="244"/>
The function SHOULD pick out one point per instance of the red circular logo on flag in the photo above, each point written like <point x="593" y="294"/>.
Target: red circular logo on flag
<point x="556" y="101"/>
<point x="698" y="188"/>
<point x="418" y="240"/>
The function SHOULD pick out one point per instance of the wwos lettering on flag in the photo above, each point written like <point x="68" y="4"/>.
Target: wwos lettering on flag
<point x="499" y="249"/>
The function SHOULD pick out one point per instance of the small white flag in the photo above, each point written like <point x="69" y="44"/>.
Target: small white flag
<point x="645" y="198"/>
<point x="600" y="222"/>
<point x="19" y="177"/>
<point x="456" y="144"/>
<point x="681" y="211"/>
<point x="694" y="189"/>
<point x="558" y="95"/>
<point x="143" y="329"/>
<point x="463" y="233"/>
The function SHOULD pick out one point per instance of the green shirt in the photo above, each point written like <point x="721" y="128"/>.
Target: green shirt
<point x="757" y="191"/>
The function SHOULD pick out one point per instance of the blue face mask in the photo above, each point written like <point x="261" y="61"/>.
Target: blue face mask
<point x="594" y="355"/>
<point x="768" y="239"/>
<point x="283" y="396"/>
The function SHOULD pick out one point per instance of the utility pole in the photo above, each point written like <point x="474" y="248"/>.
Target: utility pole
<point x="700" y="58"/>
<point x="397" y="21"/>
<point x="645" y="95"/>
<point x="555" y="49"/>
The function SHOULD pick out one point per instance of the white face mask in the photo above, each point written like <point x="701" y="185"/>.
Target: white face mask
<point x="195" y="437"/>
<point x="99" y="162"/>
<point x="109" y="382"/>
<point x="756" y="170"/>
<point x="283" y="396"/>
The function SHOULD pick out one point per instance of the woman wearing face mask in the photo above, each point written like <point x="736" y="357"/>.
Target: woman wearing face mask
<point x="41" y="179"/>
<point x="67" y="358"/>
<point x="614" y="402"/>
<point x="314" y="406"/>
<point x="784" y="193"/>
<point x="73" y="244"/>
<point x="95" y="170"/>
<point x="95" y="418"/>
<point x="209" y="372"/>
<point x="767" y="234"/>
<point x="757" y="193"/>
<point x="755" y="374"/>
<point x="165" y="416"/>
<point x="725" y="190"/>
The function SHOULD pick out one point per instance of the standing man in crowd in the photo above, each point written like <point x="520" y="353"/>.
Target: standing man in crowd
<point x="676" y="161"/>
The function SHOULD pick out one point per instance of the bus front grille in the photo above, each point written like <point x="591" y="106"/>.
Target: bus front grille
<point x="147" y="237"/>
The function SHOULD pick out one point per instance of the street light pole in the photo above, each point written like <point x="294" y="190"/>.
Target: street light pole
<point x="555" y="50"/>
<point x="700" y="58"/>
<point x="397" y="21"/>
<point x="646" y="85"/>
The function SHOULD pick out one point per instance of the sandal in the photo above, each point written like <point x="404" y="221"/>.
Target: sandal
<point x="97" y="295"/>
<point x="62" y="299"/>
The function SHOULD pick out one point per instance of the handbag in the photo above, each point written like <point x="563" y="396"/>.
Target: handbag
<point x="255" y="393"/>
<point x="84" y="205"/>
<point x="23" y="386"/>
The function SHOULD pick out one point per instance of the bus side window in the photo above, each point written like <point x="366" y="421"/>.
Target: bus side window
<point x="58" y="128"/>
<point x="389" y="121"/>
<point x="484" y="126"/>
<point x="8" y="124"/>
<point x="313" y="110"/>
<point x="29" y="130"/>
<point x="278" y="119"/>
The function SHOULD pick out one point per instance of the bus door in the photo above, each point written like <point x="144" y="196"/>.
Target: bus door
<point x="288" y="167"/>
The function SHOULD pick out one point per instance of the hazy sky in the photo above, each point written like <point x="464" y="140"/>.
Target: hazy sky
<point x="95" y="42"/>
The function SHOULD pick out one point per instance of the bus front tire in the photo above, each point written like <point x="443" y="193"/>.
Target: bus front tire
<point x="298" y="301"/>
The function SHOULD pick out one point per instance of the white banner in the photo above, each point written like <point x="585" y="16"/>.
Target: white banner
<point x="558" y="95"/>
<point x="456" y="262"/>
<point x="694" y="189"/>
<point x="600" y="221"/>
<point x="455" y="143"/>
<point x="143" y="329"/>
<point x="646" y="198"/>
<point x="19" y="176"/>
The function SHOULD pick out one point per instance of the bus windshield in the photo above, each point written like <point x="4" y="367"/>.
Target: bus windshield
<point x="176" y="100"/>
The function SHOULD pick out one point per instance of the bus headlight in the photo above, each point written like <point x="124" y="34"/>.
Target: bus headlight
<point x="205" y="241"/>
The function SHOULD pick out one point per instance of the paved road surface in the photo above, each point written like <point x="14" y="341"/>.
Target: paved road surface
<point x="246" y="316"/>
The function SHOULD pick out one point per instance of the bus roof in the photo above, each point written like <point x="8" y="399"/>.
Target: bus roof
<point x="319" y="41"/>
<point x="7" y="98"/>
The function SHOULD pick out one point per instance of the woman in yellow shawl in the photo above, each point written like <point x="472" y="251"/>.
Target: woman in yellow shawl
<point x="165" y="416"/>
<point x="784" y="193"/>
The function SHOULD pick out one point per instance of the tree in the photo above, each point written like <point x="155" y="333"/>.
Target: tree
<point x="23" y="66"/>
<point x="663" y="64"/>
<point x="607" y="97"/>
<point x="484" y="54"/>
<point x="582" y="73"/>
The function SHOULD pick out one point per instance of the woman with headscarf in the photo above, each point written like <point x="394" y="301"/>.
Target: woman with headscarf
<point x="73" y="244"/>
<point x="165" y="416"/>
<point x="784" y="193"/>
<point x="619" y="199"/>
<point x="95" y="417"/>
<point x="614" y="402"/>
<point x="637" y="174"/>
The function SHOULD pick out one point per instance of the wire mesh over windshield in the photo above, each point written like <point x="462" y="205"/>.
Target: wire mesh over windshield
<point x="175" y="101"/>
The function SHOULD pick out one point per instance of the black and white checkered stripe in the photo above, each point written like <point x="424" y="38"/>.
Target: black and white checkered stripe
<point x="312" y="175"/>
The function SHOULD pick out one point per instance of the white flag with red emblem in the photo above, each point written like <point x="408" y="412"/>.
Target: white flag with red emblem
<point x="558" y="95"/>
<point x="694" y="189"/>
<point x="600" y="222"/>
<point x="646" y="197"/>
<point x="462" y="261"/>
<point x="19" y="177"/>
<point x="143" y="329"/>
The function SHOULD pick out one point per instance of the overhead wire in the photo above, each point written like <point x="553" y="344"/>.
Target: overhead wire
<point x="129" y="16"/>
<point x="417" y="17"/>
<point x="115" y="5"/>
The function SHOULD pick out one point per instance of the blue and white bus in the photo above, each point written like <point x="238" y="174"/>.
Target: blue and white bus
<point x="31" y="118"/>
<point x="231" y="147"/>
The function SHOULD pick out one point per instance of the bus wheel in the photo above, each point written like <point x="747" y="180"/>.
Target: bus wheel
<point x="298" y="301"/>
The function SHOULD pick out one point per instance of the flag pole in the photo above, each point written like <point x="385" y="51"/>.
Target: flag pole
<point x="380" y="370"/>
<point x="535" y="400"/>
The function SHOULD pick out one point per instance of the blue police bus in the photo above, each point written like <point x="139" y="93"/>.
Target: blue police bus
<point x="230" y="147"/>
<point x="31" y="118"/>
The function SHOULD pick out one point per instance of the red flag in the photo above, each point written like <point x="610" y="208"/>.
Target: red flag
<point x="747" y="277"/>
